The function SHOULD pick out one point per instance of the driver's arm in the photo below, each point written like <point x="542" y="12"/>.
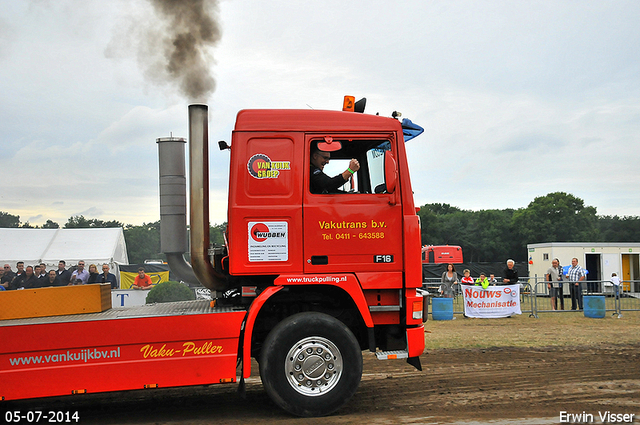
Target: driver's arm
<point x="321" y="183"/>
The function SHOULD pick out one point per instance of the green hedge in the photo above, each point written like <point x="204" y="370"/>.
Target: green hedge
<point x="170" y="291"/>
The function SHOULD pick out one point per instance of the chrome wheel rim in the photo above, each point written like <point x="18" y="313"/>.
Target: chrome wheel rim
<point x="313" y="366"/>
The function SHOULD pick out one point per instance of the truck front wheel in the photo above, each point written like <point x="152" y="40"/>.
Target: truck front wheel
<point x="310" y="364"/>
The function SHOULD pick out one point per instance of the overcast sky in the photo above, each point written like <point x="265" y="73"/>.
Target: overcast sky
<point x="517" y="98"/>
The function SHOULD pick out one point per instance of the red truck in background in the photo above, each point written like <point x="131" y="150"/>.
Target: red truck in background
<point x="305" y="283"/>
<point x="441" y="254"/>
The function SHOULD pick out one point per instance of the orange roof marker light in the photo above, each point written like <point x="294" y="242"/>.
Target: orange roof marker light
<point x="350" y="105"/>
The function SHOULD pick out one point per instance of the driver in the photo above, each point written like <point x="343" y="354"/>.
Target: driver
<point x="320" y="182"/>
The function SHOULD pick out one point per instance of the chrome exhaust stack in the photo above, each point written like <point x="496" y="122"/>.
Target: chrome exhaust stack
<point x="173" y="203"/>
<point x="199" y="199"/>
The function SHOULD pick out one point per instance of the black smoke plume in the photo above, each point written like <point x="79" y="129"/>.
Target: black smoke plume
<point x="173" y="42"/>
<point x="190" y="30"/>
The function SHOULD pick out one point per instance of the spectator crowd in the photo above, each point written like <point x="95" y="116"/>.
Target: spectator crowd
<point x="573" y="279"/>
<point x="450" y="278"/>
<point x="37" y="276"/>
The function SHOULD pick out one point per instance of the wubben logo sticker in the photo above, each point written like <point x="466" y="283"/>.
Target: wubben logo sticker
<point x="260" y="166"/>
<point x="268" y="241"/>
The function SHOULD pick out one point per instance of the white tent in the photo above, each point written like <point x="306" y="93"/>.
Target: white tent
<point x="49" y="246"/>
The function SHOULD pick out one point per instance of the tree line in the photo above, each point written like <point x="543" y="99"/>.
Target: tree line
<point x="495" y="235"/>
<point x="485" y="235"/>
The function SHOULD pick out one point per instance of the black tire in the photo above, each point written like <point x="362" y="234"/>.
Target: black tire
<point x="319" y="349"/>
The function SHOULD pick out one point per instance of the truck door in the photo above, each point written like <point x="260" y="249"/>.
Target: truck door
<point x="265" y="203"/>
<point x="357" y="228"/>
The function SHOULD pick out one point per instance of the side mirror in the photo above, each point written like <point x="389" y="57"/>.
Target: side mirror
<point x="390" y="172"/>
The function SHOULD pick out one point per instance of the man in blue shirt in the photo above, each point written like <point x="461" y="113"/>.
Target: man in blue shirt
<point x="80" y="273"/>
<point x="576" y="275"/>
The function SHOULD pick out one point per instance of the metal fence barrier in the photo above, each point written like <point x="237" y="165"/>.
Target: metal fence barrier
<point x="535" y="295"/>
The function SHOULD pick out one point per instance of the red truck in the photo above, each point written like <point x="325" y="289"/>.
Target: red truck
<point x="319" y="278"/>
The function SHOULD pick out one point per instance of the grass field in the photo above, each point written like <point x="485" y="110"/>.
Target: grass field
<point x="549" y="329"/>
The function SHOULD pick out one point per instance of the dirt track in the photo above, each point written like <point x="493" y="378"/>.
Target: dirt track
<point x="471" y="386"/>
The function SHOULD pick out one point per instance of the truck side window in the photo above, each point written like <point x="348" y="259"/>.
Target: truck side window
<point x="327" y="168"/>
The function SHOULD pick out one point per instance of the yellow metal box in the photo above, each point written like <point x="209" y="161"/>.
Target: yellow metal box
<point x="55" y="301"/>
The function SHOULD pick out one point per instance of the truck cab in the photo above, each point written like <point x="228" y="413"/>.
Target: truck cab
<point x="351" y="253"/>
<point x="359" y="229"/>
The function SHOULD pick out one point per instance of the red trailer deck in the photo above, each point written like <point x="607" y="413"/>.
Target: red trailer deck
<point x="158" y="345"/>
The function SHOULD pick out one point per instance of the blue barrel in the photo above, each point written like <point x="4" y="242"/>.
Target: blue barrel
<point x="594" y="306"/>
<point x="442" y="308"/>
